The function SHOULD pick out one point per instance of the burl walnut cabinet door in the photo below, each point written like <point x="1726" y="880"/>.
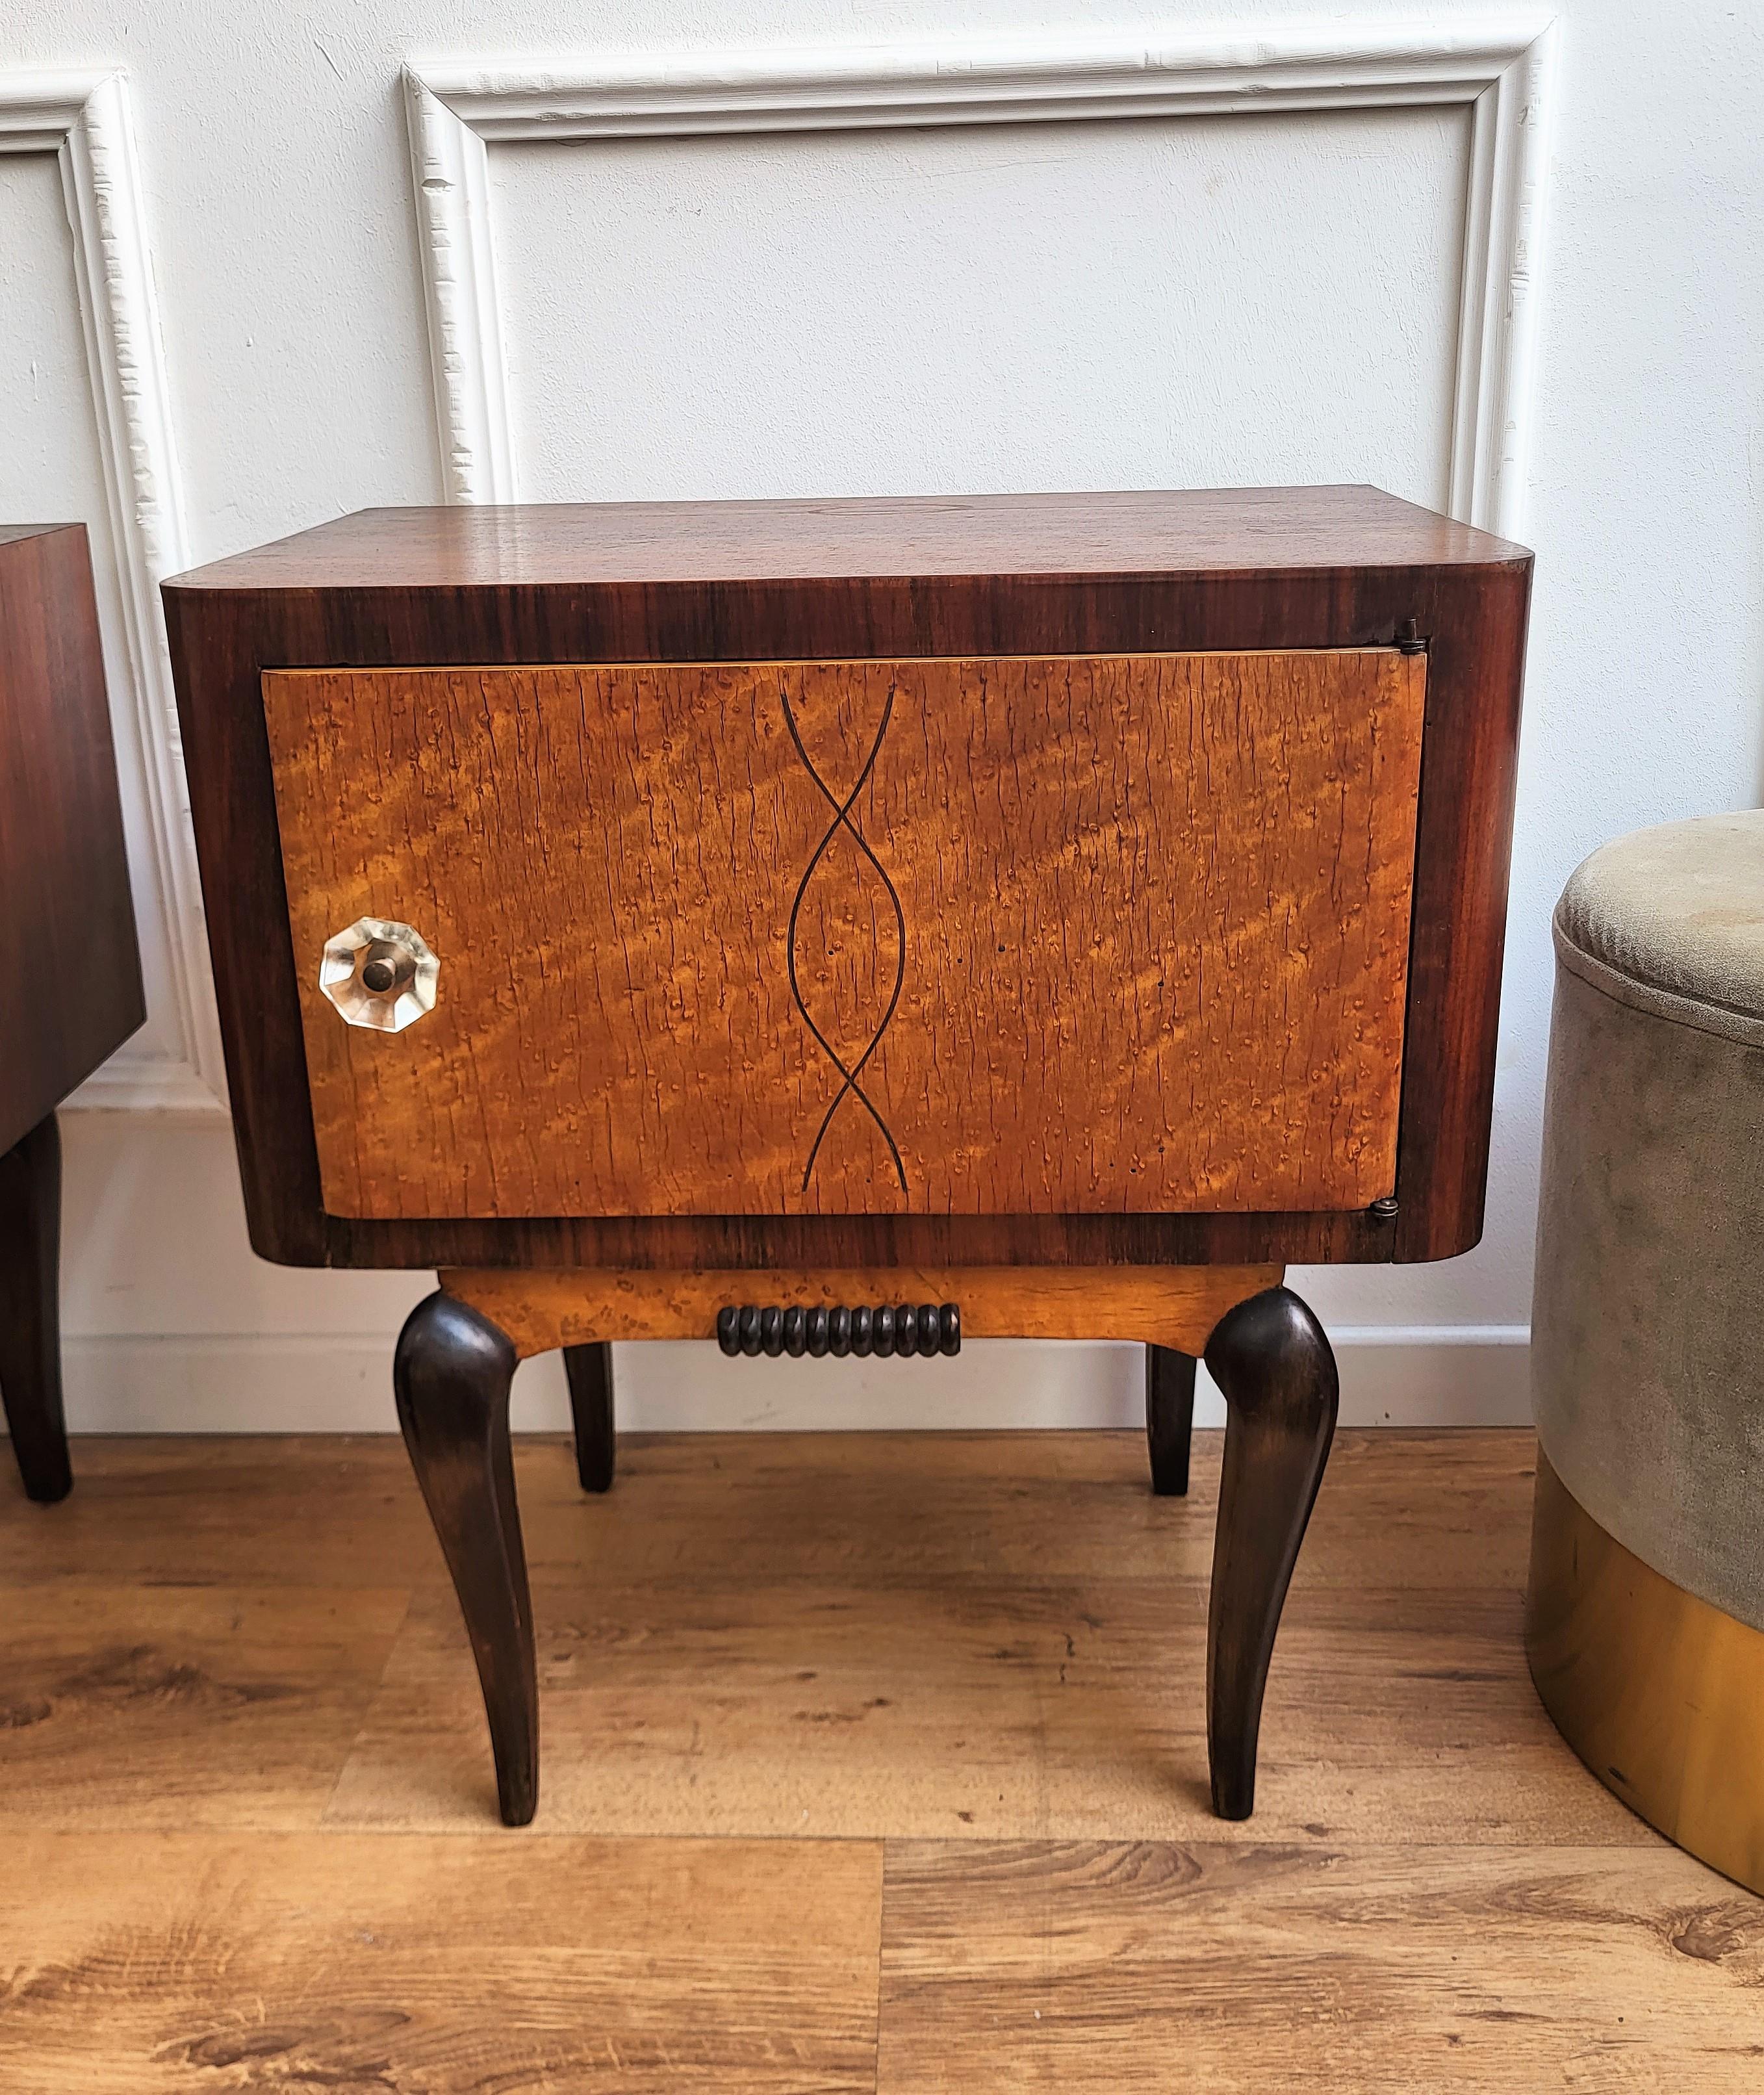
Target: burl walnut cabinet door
<point x="1013" y="935"/>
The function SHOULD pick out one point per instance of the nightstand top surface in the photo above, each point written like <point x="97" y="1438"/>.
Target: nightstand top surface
<point x="536" y="545"/>
<point x="11" y="533"/>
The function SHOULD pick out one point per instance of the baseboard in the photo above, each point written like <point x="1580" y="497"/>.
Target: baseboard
<point x="146" y="1084"/>
<point x="1454" y="1375"/>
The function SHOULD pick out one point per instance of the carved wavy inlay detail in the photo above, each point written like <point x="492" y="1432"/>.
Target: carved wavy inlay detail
<point x="849" y="1073"/>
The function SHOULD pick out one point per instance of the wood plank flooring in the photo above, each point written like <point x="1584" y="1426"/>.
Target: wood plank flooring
<point x="870" y="1763"/>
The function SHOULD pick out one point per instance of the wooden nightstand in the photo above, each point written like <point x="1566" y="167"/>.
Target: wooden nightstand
<point x="67" y="959"/>
<point x="846" y="924"/>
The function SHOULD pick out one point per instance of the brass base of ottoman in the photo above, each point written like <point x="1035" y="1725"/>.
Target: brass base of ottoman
<point x="1661" y="1694"/>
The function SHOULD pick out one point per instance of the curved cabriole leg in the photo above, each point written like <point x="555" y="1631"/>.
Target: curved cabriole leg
<point x="1269" y="1357"/>
<point x="1169" y="1418"/>
<point x="30" y="1311"/>
<point x="451" y="1373"/>
<point x="588" y="1369"/>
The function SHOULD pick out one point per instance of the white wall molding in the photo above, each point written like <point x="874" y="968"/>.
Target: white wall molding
<point x="1499" y="69"/>
<point x="341" y="1383"/>
<point x="83" y="120"/>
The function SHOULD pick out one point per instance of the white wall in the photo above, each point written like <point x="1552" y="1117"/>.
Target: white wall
<point x="1157" y="300"/>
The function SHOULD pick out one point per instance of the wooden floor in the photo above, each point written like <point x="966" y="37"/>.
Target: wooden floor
<point x="870" y="1763"/>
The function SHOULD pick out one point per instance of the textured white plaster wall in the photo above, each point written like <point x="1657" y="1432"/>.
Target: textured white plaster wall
<point x="1204" y="301"/>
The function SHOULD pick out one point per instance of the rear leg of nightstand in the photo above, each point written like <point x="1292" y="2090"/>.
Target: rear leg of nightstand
<point x="1271" y="1359"/>
<point x="452" y="1373"/>
<point x="30" y="1311"/>
<point x="589" y="1372"/>
<point x="1169" y="1418"/>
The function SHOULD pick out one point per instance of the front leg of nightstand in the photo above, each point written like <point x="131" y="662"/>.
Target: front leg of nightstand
<point x="452" y="1372"/>
<point x="1265" y="1350"/>
<point x="1272" y="1360"/>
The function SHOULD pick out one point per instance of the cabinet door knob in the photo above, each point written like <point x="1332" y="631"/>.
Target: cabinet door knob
<point x="379" y="974"/>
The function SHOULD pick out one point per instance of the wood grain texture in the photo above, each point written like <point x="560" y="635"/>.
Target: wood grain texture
<point x="1430" y="1511"/>
<point x="129" y="1705"/>
<point x="992" y="1636"/>
<point x="1033" y="1619"/>
<point x="1130" y="531"/>
<point x="983" y="1649"/>
<point x="1174" y="1306"/>
<point x="70" y="978"/>
<point x="1005" y="936"/>
<point x="1147" y="1965"/>
<point x="1340" y="568"/>
<point x="1023" y="1707"/>
<point x="153" y="1966"/>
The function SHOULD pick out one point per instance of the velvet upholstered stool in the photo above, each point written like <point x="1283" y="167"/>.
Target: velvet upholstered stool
<point x="1646" y="1612"/>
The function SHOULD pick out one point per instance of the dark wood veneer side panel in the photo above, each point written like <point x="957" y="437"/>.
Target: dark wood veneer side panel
<point x="221" y="640"/>
<point x="1470" y="755"/>
<point x="71" y="975"/>
<point x="217" y="643"/>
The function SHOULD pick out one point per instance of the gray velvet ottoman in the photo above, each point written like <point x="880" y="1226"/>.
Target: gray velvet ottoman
<point x="1645" y="1615"/>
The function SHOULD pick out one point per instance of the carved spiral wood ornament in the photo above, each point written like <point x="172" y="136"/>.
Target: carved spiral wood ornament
<point x="884" y="1330"/>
